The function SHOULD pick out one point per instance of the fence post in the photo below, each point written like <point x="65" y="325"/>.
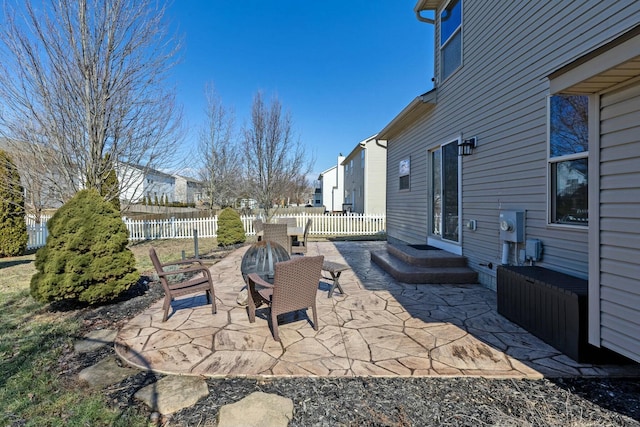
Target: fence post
<point x="195" y="242"/>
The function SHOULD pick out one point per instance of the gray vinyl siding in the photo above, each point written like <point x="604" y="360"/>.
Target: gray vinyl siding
<point x="499" y="96"/>
<point x="620" y="221"/>
<point x="406" y="216"/>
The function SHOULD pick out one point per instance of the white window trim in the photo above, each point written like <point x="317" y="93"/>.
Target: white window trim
<point x="593" y="115"/>
<point x="452" y="246"/>
<point x="446" y="42"/>
<point x="408" y="174"/>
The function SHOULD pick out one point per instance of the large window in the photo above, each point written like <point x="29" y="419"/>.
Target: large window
<point x="568" y="159"/>
<point x="450" y="38"/>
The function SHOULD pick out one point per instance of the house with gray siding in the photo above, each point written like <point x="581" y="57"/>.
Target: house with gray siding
<point x="533" y="118"/>
<point x="365" y="177"/>
<point x="188" y="190"/>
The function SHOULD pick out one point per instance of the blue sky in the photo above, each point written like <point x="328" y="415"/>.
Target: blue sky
<point x="342" y="68"/>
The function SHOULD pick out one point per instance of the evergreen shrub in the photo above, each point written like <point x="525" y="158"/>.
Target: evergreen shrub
<point x="230" y="228"/>
<point x="13" y="228"/>
<point x="111" y="187"/>
<point x="86" y="258"/>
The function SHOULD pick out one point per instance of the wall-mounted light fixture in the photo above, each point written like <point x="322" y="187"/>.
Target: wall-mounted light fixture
<point x="465" y="148"/>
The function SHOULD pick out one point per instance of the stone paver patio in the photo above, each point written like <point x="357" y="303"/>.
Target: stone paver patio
<point x="379" y="328"/>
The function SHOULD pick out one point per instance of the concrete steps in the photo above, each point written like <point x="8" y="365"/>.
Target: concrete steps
<point x="423" y="264"/>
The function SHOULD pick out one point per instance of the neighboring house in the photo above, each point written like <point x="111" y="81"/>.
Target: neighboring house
<point x="46" y="189"/>
<point x="365" y="177"/>
<point x="331" y="186"/>
<point x="549" y="95"/>
<point x="316" y="200"/>
<point x="187" y="190"/>
<point x="138" y="183"/>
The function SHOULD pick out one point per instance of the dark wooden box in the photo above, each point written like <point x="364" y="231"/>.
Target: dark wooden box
<point x="550" y="305"/>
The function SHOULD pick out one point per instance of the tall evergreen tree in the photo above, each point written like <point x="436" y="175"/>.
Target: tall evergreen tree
<point x="13" y="228"/>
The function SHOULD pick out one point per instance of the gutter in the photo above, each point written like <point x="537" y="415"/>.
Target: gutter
<point x="416" y="108"/>
<point x="423" y="5"/>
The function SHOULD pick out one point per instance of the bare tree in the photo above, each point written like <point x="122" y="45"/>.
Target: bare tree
<point x="220" y="153"/>
<point x="80" y="80"/>
<point x="299" y="190"/>
<point x="273" y="159"/>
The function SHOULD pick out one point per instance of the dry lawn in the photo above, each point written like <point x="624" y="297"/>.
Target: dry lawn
<point x="169" y="250"/>
<point x="16" y="272"/>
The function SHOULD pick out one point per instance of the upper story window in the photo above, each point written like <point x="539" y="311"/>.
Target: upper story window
<point x="450" y="38"/>
<point x="362" y="159"/>
<point x="404" y="174"/>
<point x="568" y="159"/>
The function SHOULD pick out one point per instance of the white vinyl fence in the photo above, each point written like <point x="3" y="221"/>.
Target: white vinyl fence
<point x="177" y="228"/>
<point x="37" y="231"/>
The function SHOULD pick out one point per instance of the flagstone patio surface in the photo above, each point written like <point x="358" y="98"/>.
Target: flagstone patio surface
<point x="380" y="327"/>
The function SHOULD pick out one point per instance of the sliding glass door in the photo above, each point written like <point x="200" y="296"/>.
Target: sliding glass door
<point x="445" y="192"/>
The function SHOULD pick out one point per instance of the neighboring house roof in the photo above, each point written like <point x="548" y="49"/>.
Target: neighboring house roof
<point x="326" y="171"/>
<point x="186" y="178"/>
<point x="417" y="108"/>
<point x="146" y="169"/>
<point x="356" y="150"/>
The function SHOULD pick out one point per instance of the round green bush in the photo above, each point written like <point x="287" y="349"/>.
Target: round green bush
<point x="86" y="258"/>
<point x="230" y="228"/>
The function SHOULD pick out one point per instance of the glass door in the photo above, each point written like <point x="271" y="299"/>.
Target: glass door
<point x="445" y="191"/>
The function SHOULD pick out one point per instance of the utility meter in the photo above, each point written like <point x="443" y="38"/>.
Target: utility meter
<point x="512" y="226"/>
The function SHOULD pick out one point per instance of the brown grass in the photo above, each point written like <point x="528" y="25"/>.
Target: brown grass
<point x="169" y="250"/>
<point x="16" y="272"/>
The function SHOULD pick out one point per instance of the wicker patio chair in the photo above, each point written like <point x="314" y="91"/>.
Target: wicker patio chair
<point x="277" y="233"/>
<point x="294" y="287"/>
<point x="257" y="227"/>
<point x="300" y="246"/>
<point x="199" y="282"/>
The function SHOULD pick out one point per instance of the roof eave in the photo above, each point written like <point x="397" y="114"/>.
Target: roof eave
<point x="426" y="5"/>
<point x="417" y="108"/>
<point x="359" y="147"/>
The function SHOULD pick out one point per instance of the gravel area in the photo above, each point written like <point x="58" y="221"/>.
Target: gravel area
<point x="378" y="401"/>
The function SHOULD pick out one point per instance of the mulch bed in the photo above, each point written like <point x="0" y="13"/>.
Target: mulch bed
<point x="376" y="401"/>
